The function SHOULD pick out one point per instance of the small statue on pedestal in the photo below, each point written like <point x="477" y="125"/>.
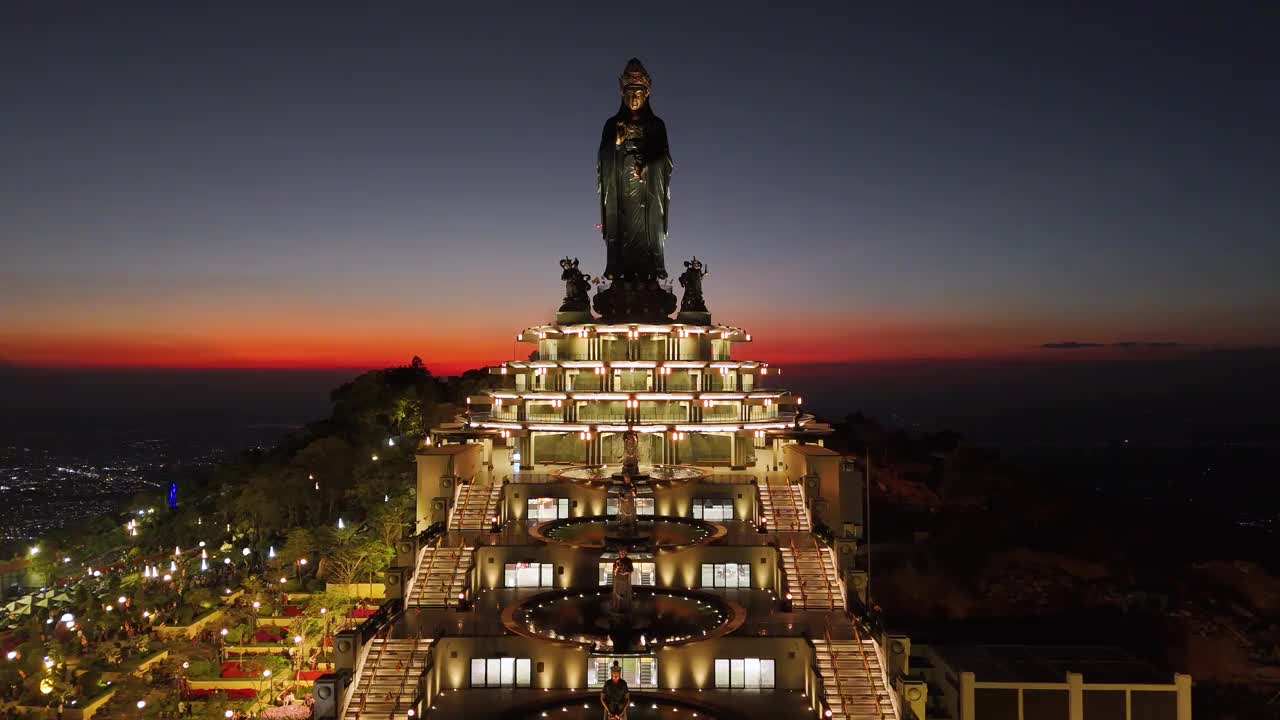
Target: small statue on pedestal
<point x="630" y="453"/>
<point x="576" y="285"/>
<point x="627" y="508"/>
<point x="620" y="603"/>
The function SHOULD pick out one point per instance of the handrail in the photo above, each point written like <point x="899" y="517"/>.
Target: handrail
<point x="835" y="568"/>
<point x="364" y="696"/>
<point x="459" y="499"/>
<point x="835" y="670"/>
<point x="417" y="637"/>
<point x="381" y="618"/>
<point x="817" y="553"/>
<point x="431" y="531"/>
<point x="884" y="673"/>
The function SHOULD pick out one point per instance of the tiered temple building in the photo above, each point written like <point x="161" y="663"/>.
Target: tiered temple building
<point x="639" y="495"/>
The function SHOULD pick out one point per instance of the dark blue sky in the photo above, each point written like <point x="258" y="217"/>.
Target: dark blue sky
<point x="271" y="183"/>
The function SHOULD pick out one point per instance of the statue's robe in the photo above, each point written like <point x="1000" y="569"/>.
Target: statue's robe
<point x="633" y="212"/>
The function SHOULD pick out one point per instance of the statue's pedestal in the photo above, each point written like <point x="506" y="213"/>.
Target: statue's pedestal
<point x="635" y="301"/>
<point x="574" y="317"/>
<point x="693" y="317"/>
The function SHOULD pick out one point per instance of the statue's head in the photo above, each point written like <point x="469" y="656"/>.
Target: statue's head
<point x="634" y="83"/>
<point x="622" y="553"/>
<point x="615" y="672"/>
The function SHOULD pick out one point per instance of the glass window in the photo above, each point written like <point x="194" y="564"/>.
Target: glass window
<point x="713" y="509"/>
<point x="525" y="574"/>
<point x="643" y="573"/>
<point x="501" y="672"/>
<point x="644" y="506"/>
<point x="638" y="672"/>
<point x="745" y="673"/>
<point x="547" y="508"/>
<point x="726" y="575"/>
<point x="722" y="673"/>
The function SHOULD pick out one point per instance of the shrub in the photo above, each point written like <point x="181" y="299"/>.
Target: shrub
<point x="89" y="683"/>
<point x="203" y="668"/>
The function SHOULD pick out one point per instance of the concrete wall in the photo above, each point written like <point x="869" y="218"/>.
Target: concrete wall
<point x="693" y="665"/>
<point x="554" y="665"/>
<point x="677" y="501"/>
<point x="435" y="464"/>
<point x="583" y="500"/>
<point x="680" y="666"/>
<point x="580" y="569"/>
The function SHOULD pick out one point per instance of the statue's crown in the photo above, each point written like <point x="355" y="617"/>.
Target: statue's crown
<point x="566" y="263"/>
<point x="634" y="74"/>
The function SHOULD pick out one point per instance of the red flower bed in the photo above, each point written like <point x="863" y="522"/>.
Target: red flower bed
<point x="310" y="674"/>
<point x="362" y="612"/>
<point x="233" y="669"/>
<point x="292" y="611"/>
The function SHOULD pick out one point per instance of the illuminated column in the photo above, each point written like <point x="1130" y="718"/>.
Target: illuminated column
<point x="1183" y="685"/>
<point x="1075" y="696"/>
<point x="967" y="709"/>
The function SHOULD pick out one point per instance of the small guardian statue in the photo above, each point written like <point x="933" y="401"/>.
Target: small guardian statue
<point x="693" y="307"/>
<point x="691" y="281"/>
<point x="576" y="286"/>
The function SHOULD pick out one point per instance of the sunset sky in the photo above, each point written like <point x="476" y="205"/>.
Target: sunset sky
<point x="276" y="185"/>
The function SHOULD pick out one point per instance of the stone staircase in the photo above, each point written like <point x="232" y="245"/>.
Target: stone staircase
<point x="812" y="578"/>
<point x="783" y="508"/>
<point x="388" y="679"/>
<point x="853" y="680"/>
<point x="476" y="504"/>
<point x="442" y="574"/>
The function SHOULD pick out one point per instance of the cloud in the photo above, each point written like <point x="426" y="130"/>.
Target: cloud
<point x="1127" y="344"/>
<point x="1070" y="345"/>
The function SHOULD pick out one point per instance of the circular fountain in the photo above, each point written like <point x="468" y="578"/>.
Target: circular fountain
<point x="655" y="617"/>
<point x="645" y="475"/>
<point x="659" y="533"/>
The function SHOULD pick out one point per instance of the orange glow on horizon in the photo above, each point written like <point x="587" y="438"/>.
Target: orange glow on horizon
<point x="457" y="351"/>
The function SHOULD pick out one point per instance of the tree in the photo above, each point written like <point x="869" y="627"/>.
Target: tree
<point x="387" y="520"/>
<point x="298" y="545"/>
<point x="357" y="557"/>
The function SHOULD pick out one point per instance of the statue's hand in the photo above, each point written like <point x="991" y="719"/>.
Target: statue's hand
<point x="619" y="132"/>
